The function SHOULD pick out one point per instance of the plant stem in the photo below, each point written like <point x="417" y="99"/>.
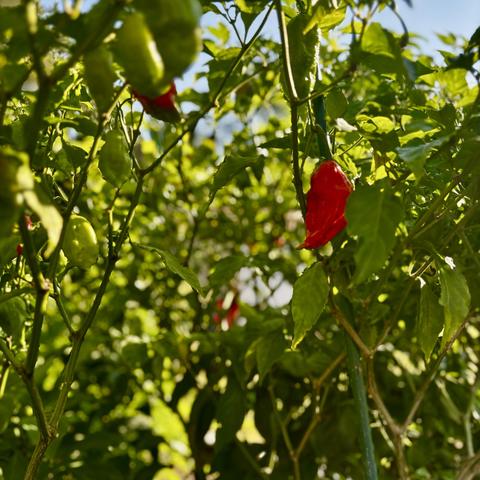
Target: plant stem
<point x="360" y="398"/>
<point x="285" y="435"/>
<point x="293" y="101"/>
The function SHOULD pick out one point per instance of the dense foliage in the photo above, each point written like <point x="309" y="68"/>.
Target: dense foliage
<point x="180" y="333"/>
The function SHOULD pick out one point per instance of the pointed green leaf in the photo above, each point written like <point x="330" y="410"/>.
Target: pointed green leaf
<point x="429" y="321"/>
<point x="378" y="41"/>
<point x="230" y="413"/>
<point x="455" y="299"/>
<point x="310" y="294"/>
<point x="326" y="18"/>
<point x="226" y="268"/>
<point x="172" y="263"/>
<point x="38" y="200"/>
<point x="228" y="169"/>
<point x="416" y="156"/>
<point x="270" y="349"/>
<point x="373" y="214"/>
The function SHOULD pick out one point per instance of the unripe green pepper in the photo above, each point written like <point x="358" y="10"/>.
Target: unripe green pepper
<point x="175" y="26"/>
<point x="302" y="52"/>
<point x="80" y="245"/>
<point x="114" y="161"/>
<point x="137" y="54"/>
<point x="100" y="76"/>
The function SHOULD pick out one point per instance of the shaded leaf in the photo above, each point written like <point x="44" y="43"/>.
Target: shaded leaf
<point x="310" y="294"/>
<point x="373" y="214"/>
<point x="269" y="350"/>
<point x="429" y="320"/>
<point x="227" y="170"/>
<point x="226" y="268"/>
<point x="455" y="299"/>
<point x="416" y="156"/>
<point x="50" y="217"/>
<point x="230" y="413"/>
<point x="172" y="263"/>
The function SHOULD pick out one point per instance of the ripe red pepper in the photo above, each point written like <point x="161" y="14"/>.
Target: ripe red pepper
<point x="230" y="315"/>
<point x="162" y="107"/>
<point x="19" y="249"/>
<point x="326" y="202"/>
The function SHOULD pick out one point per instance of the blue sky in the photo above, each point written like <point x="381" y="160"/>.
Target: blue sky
<point x="428" y="17"/>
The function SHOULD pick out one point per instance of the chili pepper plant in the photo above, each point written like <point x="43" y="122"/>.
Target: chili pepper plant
<point x="238" y="240"/>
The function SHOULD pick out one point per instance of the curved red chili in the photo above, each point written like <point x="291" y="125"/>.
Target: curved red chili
<point x="326" y="202"/>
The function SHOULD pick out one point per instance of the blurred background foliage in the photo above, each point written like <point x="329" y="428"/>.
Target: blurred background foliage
<point x="189" y="374"/>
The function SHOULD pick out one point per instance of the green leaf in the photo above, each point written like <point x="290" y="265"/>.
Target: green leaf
<point x="336" y="103"/>
<point x="375" y="125"/>
<point x="310" y="294"/>
<point x="226" y="268"/>
<point x="416" y="156"/>
<point x="172" y="263"/>
<point x="455" y="299"/>
<point x="51" y="219"/>
<point x="230" y="413"/>
<point x="278" y="142"/>
<point x="13" y="314"/>
<point x="75" y="155"/>
<point x="326" y="19"/>
<point x="378" y="41"/>
<point x="228" y="169"/>
<point x="429" y="320"/>
<point x="373" y="214"/>
<point x="269" y="350"/>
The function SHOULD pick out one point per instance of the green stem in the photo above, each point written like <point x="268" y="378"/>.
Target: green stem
<point x="360" y="397"/>
<point x="213" y="102"/>
<point x="42" y="289"/>
<point x="80" y="184"/>
<point x="4" y="378"/>
<point x="297" y="175"/>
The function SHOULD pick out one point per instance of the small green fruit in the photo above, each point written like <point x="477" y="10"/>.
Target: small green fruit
<point x="115" y="162"/>
<point x="80" y="245"/>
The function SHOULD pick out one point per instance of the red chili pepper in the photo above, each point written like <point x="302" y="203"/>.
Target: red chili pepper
<point x="162" y="107"/>
<point x="326" y="202"/>
<point x="19" y="249"/>
<point x="233" y="313"/>
<point x="230" y="315"/>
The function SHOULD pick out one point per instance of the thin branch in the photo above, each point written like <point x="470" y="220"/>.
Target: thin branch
<point x="470" y="468"/>
<point x="318" y="382"/>
<point x="430" y="374"/>
<point x="285" y="435"/>
<point x="366" y="352"/>
<point x="395" y="431"/>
